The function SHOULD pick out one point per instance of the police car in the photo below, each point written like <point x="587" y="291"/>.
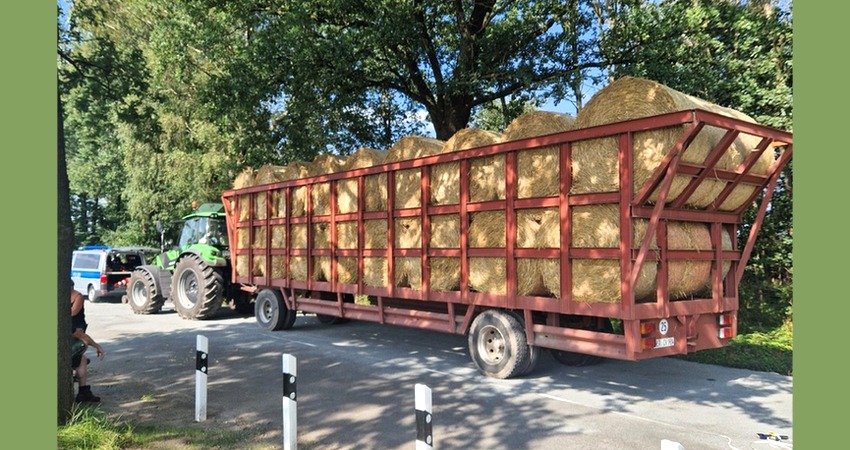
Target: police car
<point x="101" y="271"/>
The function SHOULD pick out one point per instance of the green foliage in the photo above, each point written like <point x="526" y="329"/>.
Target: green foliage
<point x="90" y="429"/>
<point x="770" y="351"/>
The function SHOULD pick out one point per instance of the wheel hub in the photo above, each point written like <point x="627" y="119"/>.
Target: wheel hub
<point x="188" y="289"/>
<point x="491" y="345"/>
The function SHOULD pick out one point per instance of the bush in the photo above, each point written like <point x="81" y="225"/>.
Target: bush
<point x="770" y="351"/>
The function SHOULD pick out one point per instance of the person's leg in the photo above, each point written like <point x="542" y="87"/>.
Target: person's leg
<point x="84" y="394"/>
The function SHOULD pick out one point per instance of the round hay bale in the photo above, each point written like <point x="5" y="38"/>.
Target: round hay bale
<point x="408" y="232"/>
<point x="410" y="147"/>
<point x="347" y="196"/>
<point x="278" y="236"/>
<point x="242" y="238"/>
<point x="486" y="174"/>
<point x="269" y="173"/>
<point x="408" y="188"/>
<point x="595" y="167"/>
<point x="298" y="268"/>
<point x="259" y="266"/>
<point x="346" y="235"/>
<point x="408" y="272"/>
<point x="488" y="275"/>
<point x="322" y="268"/>
<point x="445" y="183"/>
<point x="278" y="203"/>
<point x="298" y="235"/>
<point x="279" y="267"/>
<point x="325" y="164"/>
<point x="321" y="194"/>
<point x="376" y="192"/>
<point x="244" y="207"/>
<point x="299" y="201"/>
<point x="260" y="210"/>
<point x="245" y="178"/>
<point x="688" y="278"/>
<point x="445" y="231"/>
<point x="487" y="229"/>
<point x="322" y="235"/>
<point x="538" y="169"/>
<point x="538" y="228"/>
<point x="529" y="273"/>
<point x="346" y="270"/>
<point x="294" y="171"/>
<point x="445" y="274"/>
<point x="375" y="234"/>
<point x="598" y="281"/>
<point x="598" y="226"/>
<point x="242" y="265"/>
<point x="259" y="237"/>
<point x="375" y="271"/>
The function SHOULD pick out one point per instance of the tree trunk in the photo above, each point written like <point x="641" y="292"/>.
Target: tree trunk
<point x="450" y="117"/>
<point x="63" y="279"/>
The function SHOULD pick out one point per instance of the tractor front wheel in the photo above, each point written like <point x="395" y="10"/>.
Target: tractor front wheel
<point x="196" y="289"/>
<point x="142" y="294"/>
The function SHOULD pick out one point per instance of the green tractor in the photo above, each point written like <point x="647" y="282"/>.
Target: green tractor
<point x="194" y="275"/>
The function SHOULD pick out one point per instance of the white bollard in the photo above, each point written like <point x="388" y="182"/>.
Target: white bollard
<point x="671" y="445"/>
<point x="201" y="361"/>
<point x="424" y="420"/>
<point x="290" y="405"/>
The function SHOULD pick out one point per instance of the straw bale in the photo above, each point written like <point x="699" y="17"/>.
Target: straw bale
<point x="408" y="232"/>
<point x="595" y="161"/>
<point x="347" y="195"/>
<point x="445" y="183"/>
<point x="278" y="267"/>
<point x="259" y="237"/>
<point x="487" y="229"/>
<point x="298" y="235"/>
<point x="376" y="192"/>
<point x="322" y="235"/>
<point x="538" y="169"/>
<point x="408" y="272"/>
<point x="530" y="273"/>
<point x="688" y="278"/>
<point x="298" y="268"/>
<point x="598" y="226"/>
<point x="346" y="270"/>
<point x="278" y="236"/>
<point x="278" y="203"/>
<point x="260" y="209"/>
<point x="488" y="275"/>
<point x="410" y="147"/>
<point x="242" y="265"/>
<point x="445" y="231"/>
<point x="299" y="201"/>
<point x="408" y="186"/>
<point x="486" y="174"/>
<point x="346" y="235"/>
<point x="269" y="173"/>
<point x="244" y="179"/>
<point x="325" y="164"/>
<point x="243" y="238"/>
<point x="295" y="170"/>
<point x="375" y="234"/>
<point x="322" y="268"/>
<point x="321" y="194"/>
<point x="445" y="274"/>
<point x="375" y="271"/>
<point x="244" y="207"/>
<point x="259" y="266"/>
<point x="598" y="281"/>
<point x="538" y="228"/>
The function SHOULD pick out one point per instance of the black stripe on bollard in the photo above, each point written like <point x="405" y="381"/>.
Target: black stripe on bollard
<point x="289" y="386"/>
<point x="201" y="361"/>
<point x="423" y="427"/>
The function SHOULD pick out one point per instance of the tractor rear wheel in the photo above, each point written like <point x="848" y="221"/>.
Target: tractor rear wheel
<point x="142" y="294"/>
<point x="196" y="289"/>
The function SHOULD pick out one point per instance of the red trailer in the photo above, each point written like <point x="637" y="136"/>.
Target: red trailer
<point x="507" y="331"/>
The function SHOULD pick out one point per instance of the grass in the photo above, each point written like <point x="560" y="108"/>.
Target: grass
<point x="769" y="351"/>
<point x="89" y="428"/>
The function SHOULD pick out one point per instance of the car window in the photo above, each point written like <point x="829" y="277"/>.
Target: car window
<point x="86" y="261"/>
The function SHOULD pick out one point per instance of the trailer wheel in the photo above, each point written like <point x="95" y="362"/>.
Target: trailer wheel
<point x="498" y="346"/>
<point x="142" y="295"/>
<point x="575" y="359"/>
<point x="271" y="312"/>
<point x="196" y="289"/>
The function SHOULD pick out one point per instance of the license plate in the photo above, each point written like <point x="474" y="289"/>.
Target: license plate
<point x="664" y="342"/>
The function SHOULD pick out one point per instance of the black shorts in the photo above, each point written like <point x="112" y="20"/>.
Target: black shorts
<point x="78" y="349"/>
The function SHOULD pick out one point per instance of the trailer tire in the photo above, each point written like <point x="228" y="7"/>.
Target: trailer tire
<point x="271" y="312"/>
<point x="142" y="294"/>
<point x="575" y="359"/>
<point x="498" y="345"/>
<point x="196" y="289"/>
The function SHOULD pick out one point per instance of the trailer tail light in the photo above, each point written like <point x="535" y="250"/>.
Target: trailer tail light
<point x="647" y="328"/>
<point x="725" y="322"/>
<point x="647" y="343"/>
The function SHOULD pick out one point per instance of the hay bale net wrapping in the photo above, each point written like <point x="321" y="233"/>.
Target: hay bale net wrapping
<point x="594" y="162"/>
<point x="538" y="169"/>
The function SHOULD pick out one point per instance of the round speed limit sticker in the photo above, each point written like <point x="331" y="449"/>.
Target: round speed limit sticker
<point x="663" y="327"/>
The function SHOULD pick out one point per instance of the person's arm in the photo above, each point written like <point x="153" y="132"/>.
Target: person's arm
<point x="77" y="301"/>
<point x="81" y="335"/>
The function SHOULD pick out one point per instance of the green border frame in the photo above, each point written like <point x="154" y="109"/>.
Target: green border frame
<point x="28" y="124"/>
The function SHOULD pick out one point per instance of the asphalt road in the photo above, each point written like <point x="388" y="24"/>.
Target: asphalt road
<point x="356" y="388"/>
